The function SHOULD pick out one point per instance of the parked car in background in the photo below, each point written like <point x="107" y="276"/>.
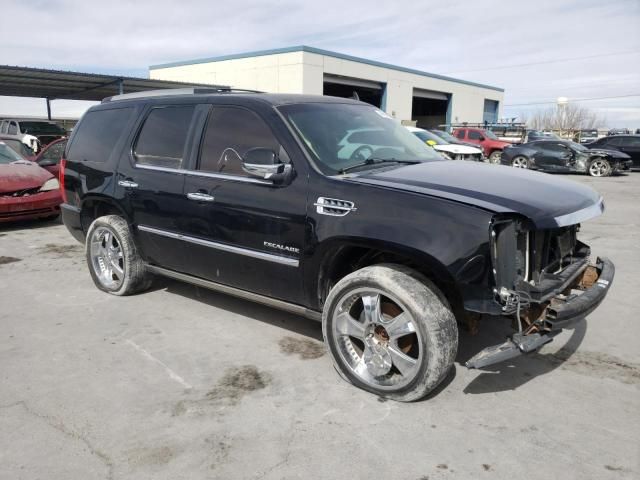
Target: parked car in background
<point x="27" y="191"/>
<point x="587" y="136"/>
<point x="533" y="135"/>
<point x="451" y="139"/>
<point x="24" y="145"/>
<point x="629" y="144"/>
<point x="50" y="156"/>
<point x="565" y="156"/>
<point x="45" y="132"/>
<point x="490" y="144"/>
<point x="448" y="150"/>
<point x="619" y="131"/>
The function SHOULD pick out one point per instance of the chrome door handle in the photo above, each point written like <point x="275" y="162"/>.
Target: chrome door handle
<point x="200" y="197"/>
<point x="127" y="184"/>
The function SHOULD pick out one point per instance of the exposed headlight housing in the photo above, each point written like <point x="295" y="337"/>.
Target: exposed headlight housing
<point x="51" y="184"/>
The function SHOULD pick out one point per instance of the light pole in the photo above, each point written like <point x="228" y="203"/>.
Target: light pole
<point x="562" y="103"/>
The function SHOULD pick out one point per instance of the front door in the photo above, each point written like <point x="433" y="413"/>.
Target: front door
<point x="631" y="146"/>
<point x="553" y="156"/>
<point x="243" y="231"/>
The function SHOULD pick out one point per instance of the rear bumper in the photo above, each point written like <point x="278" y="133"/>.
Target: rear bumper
<point x="562" y="312"/>
<point x="39" y="205"/>
<point x="71" y="219"/>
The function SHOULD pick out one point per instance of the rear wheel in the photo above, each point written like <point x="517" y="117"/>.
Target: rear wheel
<point x="390" y="331"/>
<point x="495" y="157"/>
<point x="113" y="259"/>
<point x="520" y="162"/>
<point x="600" y="167"/>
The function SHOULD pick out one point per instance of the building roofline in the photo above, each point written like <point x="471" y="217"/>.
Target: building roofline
<point x="319" y="51"/>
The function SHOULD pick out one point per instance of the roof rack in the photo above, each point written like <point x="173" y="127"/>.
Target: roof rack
<point x="178" y="91"/>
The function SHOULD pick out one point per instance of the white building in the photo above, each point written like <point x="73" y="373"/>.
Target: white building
<point x="404" y="93"/>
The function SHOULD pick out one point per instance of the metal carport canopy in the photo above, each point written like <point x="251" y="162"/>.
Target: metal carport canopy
<point x="58" y="84"/>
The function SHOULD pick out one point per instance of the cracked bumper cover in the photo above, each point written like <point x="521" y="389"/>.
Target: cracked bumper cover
<point x="558" y="315"/>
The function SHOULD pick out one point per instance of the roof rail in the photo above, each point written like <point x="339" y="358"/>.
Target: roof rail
<point x="177" y="91"/>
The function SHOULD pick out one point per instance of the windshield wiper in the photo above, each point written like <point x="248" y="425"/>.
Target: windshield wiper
<point x="374" y="161"/>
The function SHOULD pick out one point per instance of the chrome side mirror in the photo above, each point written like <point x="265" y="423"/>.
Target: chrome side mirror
<point x="264" y="163"/>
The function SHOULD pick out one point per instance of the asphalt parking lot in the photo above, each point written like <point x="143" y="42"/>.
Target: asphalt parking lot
<point x="181" y="382"/>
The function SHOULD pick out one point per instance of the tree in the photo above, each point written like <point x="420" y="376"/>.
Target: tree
<point x="563" y="118"/>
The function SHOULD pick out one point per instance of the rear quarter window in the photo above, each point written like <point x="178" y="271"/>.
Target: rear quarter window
<point x="97" y="134"/>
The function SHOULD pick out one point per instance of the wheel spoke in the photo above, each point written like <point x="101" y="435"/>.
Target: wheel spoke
<point x="371" y="305"/>
<point x="400" y="326"/>
<point x="349" y="326"/>
<point x="115" y="267"/>
<point x="401" y="361"/>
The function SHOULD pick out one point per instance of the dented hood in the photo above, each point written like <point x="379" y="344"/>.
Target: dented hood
<point x="22" y="176"/>
<point x="547" y="200"/>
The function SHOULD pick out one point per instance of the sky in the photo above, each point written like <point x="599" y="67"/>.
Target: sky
<point x="537" y="51"/>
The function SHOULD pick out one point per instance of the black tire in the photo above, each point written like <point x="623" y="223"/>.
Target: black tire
<point x="520" y="161"/>
<point x="436" y="331"/>
<point x="495" y="157"/>
<point x="599" y="167"/>
<point x="135" y="277"/>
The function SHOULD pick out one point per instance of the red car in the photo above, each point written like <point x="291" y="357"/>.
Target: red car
<point x="49" y="157"/>
<point x="491" y="144"/>
<point x="26" y="190"/>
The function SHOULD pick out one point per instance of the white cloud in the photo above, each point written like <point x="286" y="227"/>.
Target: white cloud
<point x="464" y="36"/>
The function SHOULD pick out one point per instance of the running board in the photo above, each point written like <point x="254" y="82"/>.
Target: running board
<point x="513" y="347"/>
<point x="236" y="292"/>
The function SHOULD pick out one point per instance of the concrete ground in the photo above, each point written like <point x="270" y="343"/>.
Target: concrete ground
<point x="183" y="383"/>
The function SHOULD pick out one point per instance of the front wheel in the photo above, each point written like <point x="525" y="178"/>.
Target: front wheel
<point x="390" y="331"/>
<point x="520" y="162"/>
<point x="600" y="167"/>
<point x="495" y="157"/>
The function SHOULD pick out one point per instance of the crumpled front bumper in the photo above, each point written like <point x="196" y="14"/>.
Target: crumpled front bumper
<point x="561" y="313"/>
<point x="38" y="205"/>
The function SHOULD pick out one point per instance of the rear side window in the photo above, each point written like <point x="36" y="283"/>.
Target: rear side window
<point x="460" y="134"/>
<point x="13" y="128"/>
<point x="97" y="134"/>
<point x="473" y="135"/>
<point x="162" y="140"/>
<point x="230" y="132"/>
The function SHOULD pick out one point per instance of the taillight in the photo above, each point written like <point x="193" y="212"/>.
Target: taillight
<point x="63" y="192"/>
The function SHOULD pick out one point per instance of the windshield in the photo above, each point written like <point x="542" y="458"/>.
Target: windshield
<point x="490" y="134"/>
<point x="446" y="136"/>
<point x="41" y="128"/>
<point x="340" y="136"/>
<point x="426" y="136"/>
<point x="8" y="155"/>
<point x="577" y="147"/>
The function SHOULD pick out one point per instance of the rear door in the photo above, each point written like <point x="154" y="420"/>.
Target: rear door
<point x="151" y="179"/>
<point x="243" y="231"/>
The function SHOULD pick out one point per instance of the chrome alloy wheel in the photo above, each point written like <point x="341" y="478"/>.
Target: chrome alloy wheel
<point x="107" y="259"/>
<point x="599" y="168"/>
<point x="377" y="338"/>
<point x="520" y="162"/>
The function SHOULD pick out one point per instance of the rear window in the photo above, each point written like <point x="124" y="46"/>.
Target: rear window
<point x="97" y="134"/>
<point x="163" y="136"/>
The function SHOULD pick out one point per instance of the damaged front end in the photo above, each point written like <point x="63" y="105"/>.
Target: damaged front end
<point x="545" y="280"/>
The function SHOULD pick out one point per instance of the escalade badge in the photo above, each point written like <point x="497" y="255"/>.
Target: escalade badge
<point x="284" y="248"/>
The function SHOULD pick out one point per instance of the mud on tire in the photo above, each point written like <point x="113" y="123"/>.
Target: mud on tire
<point x="428" y="347"/>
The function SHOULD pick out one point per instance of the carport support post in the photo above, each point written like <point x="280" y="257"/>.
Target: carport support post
<point x="48" y="109"/>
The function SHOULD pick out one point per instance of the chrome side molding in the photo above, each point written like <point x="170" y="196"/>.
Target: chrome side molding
<point x="334" y="207"/>
<point x="236" y="292"/>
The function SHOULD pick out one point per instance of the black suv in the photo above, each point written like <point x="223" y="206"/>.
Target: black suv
<point x="267" y="197"/>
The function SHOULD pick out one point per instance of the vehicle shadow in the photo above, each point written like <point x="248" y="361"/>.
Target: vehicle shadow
<point x="29" y="225"/>
<point x="255" y="311"/>
<point x="511" y="374"/>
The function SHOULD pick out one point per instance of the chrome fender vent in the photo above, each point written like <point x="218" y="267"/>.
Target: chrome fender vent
<point x="334" y="207"/>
